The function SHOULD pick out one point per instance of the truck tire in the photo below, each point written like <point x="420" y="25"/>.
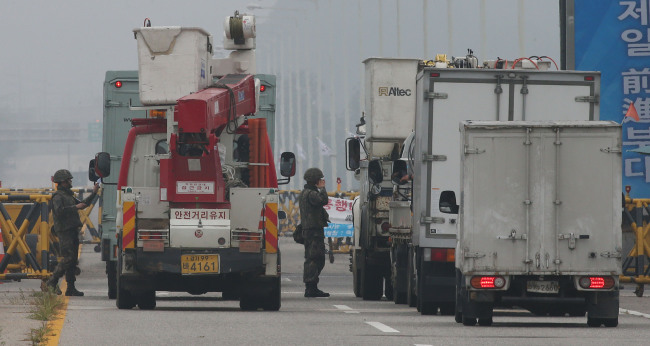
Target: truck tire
<point x="411" y="298"/>
<point x="594" y="322"/>
<point x="124" y="299"/>
<point x="356" y="282"/>
<point x="371" y="283"/>
<point x="398" y="274"/>
<point x="485" y="322"/>
<point x="469" y="321"/>
<point x="147" y="300"/>
<point x="447" y="309"/>
<point x="273" y="300"/>
<point x="610" y="322"/>
<point x="248" y="302"/>
<point x="356" y="272"/>
<point x="111" y="276"/>
<point x="458" y="306"/>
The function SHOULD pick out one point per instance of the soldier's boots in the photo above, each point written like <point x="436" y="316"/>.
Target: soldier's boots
<point x="72" y="291"/>
<point x="53" y="284"/>
<point x="311" y="291"/>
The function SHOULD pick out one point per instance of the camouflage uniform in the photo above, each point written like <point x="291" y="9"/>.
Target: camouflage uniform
<point x="67" y="225"/>
<point x="313" y="219"/>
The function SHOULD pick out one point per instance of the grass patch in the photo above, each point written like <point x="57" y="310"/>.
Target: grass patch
<point x="38" y="335"/>
<point x="45" y="307"/>
<point x="2" y="342"/>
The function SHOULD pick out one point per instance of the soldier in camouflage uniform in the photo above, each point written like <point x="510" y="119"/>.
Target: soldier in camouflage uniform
<point x="313" y="219"/>
<point x="67" y="225"/>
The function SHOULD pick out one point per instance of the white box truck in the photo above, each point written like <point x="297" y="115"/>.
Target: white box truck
<point x="423" y="249"/>
<point x="540" y="217"/>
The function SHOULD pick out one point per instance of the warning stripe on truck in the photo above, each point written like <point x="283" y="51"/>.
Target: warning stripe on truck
<point x="128" y="230"/>
<point x="271" y="226"/>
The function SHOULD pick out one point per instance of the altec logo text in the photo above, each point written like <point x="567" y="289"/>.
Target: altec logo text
<point x="394" y="91"/>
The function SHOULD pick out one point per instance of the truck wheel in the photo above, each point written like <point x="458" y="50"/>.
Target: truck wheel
<point x="594" y="322"/>
<point x="248" y="303"/>
<point x="485" y="322"/>
<point x="610" y="322"/>
<point x="124" y="298"/>
<point x="427" y="308"/>
<point x="458" y="316"/>
<point x="447" y="309"/>
<point x="273" y="300"/>
<point x="111" y="276"/>
<point x="469" y="321"/>
<point x="147" y="300"/>
<point x="410" y="282"/>
<point x="356" y="283"/>
<point x="371" y="284"/>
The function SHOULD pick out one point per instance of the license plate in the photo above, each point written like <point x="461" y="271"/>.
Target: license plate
<point x="199" y="264"/>
<point x="548" y="287"/>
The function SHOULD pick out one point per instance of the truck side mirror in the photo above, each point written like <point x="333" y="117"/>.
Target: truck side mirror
<point x="352" y="153"/>
<point x="91" y="171"/>
<point x="287" y="164"/>
<point x="400" y="174"/>
<point x="103" y="164"/>
<point x="447" y="203"/>
<point x="375" y="174"/>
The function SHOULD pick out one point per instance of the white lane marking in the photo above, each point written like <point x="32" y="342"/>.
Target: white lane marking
<point x="633" y="313"/>
<point x="346" y="309"/>
<point x="285" y="279"/>
<point x="422" y="345"/>
<point x="382" y="327"/>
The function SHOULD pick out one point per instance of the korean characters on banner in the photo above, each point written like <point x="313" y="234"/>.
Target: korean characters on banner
<point x="635" y="103"/>
<point x="340" y="212"/>
<point x="613" y="37"/>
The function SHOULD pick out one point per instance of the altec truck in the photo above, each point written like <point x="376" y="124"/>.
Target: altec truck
<point x="197" y="202"/>
<point x="540" y="219"/>
<point x="406" y="217"/>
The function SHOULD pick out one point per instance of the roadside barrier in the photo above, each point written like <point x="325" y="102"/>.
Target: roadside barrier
<point x="635" y="269"/>
<point x="29" y="248"/>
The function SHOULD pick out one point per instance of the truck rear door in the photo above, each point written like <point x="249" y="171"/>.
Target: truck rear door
<point x="453" y="95"/>
<point x="538" y="198"/>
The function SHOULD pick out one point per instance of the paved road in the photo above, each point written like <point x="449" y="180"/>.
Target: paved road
<point x="339" y="320"/>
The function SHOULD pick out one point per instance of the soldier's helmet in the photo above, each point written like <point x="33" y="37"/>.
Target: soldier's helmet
<point x="61" y="175"/>
<point x="313" y="175"/>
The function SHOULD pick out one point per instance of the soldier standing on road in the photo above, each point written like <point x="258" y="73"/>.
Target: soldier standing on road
<point x="67" y="225"/>
<point x="313" y="219"/>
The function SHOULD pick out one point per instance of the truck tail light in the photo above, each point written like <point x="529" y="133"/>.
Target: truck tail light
<point x="488" y="281"/>
<point x="596" y="282"/>
<point x="440" y="255"/>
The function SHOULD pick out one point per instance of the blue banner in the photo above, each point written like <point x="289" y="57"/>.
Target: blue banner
<point x="614" y="37"/>
<point x="338" y="230"/>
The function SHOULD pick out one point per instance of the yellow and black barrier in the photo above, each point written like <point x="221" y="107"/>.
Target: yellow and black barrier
<point x="635" y="269"/>
<point x="26" y="222"/>
<point x="22" y="261"/>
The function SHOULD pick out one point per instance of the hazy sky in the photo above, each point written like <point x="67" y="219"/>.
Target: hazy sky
<point x="55" y="54"/>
